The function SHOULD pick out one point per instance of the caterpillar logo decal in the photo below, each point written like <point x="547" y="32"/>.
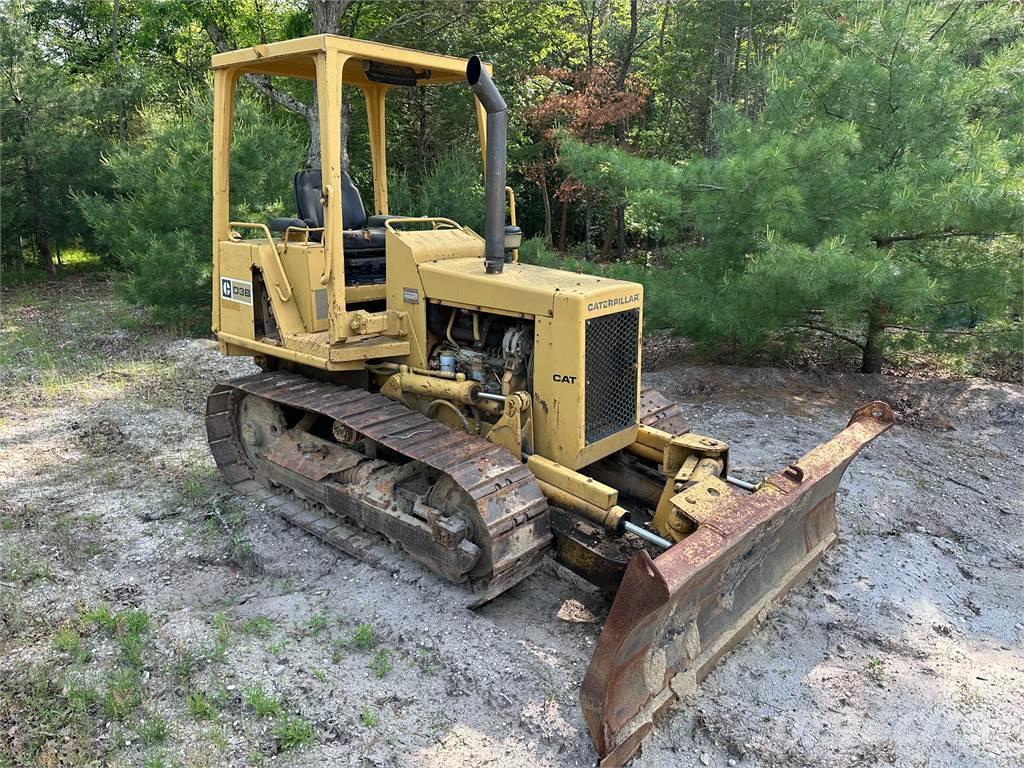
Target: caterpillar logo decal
<point x="236" y="290"/>
<point x="564" y="378"/>
<point x="618" y="301"/>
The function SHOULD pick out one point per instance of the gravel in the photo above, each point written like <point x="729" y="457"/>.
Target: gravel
<point x="904" y="648"/>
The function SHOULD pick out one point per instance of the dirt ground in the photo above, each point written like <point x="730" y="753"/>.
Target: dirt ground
<point x="150" y="618"/>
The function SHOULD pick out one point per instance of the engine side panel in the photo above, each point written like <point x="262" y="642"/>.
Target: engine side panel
<point x="561" y="305"/>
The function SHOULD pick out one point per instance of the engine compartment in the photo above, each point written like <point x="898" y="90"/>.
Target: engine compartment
<point x="494" y="350"/>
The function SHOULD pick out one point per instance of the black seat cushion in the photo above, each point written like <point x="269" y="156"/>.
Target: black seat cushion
<point x="363" y="244"/>
<point x="363" y="239"/>
<point x="309" y="191"/>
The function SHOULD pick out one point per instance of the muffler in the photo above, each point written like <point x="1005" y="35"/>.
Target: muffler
<point x="497" y="132"/>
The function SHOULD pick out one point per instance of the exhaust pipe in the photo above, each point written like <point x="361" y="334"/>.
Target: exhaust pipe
<point x="497" y="135"/>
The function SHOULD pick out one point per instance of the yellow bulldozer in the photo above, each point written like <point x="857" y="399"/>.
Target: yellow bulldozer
<point x="421" y="386"/>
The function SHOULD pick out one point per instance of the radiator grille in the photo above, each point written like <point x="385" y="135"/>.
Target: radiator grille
<point x="611" y="382"/>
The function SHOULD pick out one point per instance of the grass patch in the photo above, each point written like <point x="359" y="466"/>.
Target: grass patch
<point x="23" y="571"/>
<point x="153" y="730"/>
<point x="57" y="722"/>
<point x="123" y="694"/>
<point x="221" y="637"/>
<point x="157" y="760"/>
<point x="316" y="624"/>
<point x="263" y="704"/>
<point x="875" y="670"/>
<point x="98" y="616"/>
<point x="226" y="520"/>
<point x="260" y="626"/>
<point x="369" y="719"/>
<point x="200" y="706"/>
<point x="185" y="662"/>
<point x="362" y="638"/>
<point x="67" y="640"/>
<point x="381" y="662"/>
<point x="133" y="636"/>
<point x="338" y="649"/>
<point x="292" y="732"/>
<point x="198" y="484"/>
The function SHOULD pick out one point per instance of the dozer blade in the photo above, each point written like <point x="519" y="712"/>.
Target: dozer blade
<point x="676" y="615"/>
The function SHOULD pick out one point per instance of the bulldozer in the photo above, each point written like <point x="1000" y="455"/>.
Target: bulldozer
<point x="422" y="390"/>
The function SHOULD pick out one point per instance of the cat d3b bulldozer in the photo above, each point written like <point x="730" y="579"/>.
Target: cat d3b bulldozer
<point x="423" y="392"/>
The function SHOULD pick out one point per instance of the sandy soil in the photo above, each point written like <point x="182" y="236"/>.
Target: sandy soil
<point x="906" y="648"/>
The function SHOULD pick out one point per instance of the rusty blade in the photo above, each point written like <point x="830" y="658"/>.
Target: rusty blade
<point x="675" y="616"/>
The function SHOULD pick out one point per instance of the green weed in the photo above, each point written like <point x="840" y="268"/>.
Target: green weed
<point x="338" y="650"/>
<point x="67" y="640"/>
<point x="52" y="721"/>
<point x="363" y="637"/>
<point x="369" y="719"/>
<point x="221" y="637"/>
<point x="875" y="670"/>
<point x="133" y="635"/>
<point x="381" y="662"/>
<point x="26" y="572"/>
<point x="316" y="624"/>
<point x="81" y="698"/>
<point x="185" y="662"/>
<point x="291" y="732"/>
<point x="260" y="626"/>
<point x="153" y="730"/>
<point x="200" y="706"/>
<point x="263" y="704"/>
<point x="123" y="694"/>
<point x="99" y="616"/>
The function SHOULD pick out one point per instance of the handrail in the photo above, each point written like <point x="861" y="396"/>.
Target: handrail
<point x="511" y="205"/>
<point x="286" y="293"/>
<point x="435" y="220"/>
<point x="302" y="230"/>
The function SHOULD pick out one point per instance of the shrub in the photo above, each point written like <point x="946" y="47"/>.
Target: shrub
<point x="157" y="224"/>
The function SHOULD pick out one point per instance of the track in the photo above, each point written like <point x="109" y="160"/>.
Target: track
<point x="504" y="492"/>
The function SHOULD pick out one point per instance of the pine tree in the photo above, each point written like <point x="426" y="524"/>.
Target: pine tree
<point x="157" y="222"/>
<point x="879" y="193"/>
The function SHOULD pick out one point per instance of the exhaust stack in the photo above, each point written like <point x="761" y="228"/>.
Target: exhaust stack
<point x="497" y="133"/>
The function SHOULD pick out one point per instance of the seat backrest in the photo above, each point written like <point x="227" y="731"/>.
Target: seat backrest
<point x="309" y="190"/>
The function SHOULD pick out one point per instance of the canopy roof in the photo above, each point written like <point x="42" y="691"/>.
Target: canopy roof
<point x="366" y="62"/>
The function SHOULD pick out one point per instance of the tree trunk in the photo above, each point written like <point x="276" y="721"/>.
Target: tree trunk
<point x="421" y="143"/>
<point x="42" y="245"/>
<point x="122" y="121"/>
<point x="588" y="225"/>
<point x="725" y="55"/>
<point x="327" y="15"/>
<point x="543" y="184"/>
<point x="726" y="50"/>
<point x="563" y="225"/>
<point x="871" y="358"/>
<point x="620" y="226"/>
<point x="610" y="234"/>
<point x="620" y="131"/>
<point x="19" y="254"/>
<point x="313" y="120"/>
<point x="346" y="114"/>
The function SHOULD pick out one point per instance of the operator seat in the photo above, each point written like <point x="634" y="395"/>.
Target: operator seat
<point x="363" y="236"/>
